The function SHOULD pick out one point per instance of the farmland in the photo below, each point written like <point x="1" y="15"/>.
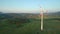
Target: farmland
<point x="30" y="25"/>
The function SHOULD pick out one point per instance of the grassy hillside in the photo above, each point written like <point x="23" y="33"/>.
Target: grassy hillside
<point x="51" y="26"/>
<point x="29" y="25"/>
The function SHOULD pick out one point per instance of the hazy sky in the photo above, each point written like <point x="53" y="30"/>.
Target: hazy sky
<point x="29" y="5"/>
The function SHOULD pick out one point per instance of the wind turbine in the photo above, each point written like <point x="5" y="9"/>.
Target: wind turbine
<point x="41" y="15"/>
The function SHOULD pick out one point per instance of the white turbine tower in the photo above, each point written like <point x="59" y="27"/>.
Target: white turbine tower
<point x="41" y="15"/>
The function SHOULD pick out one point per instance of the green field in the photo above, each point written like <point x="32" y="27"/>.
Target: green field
<point x="51" y="26"/>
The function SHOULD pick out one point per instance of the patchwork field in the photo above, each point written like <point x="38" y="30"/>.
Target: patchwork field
<point x="51" y="26"/>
